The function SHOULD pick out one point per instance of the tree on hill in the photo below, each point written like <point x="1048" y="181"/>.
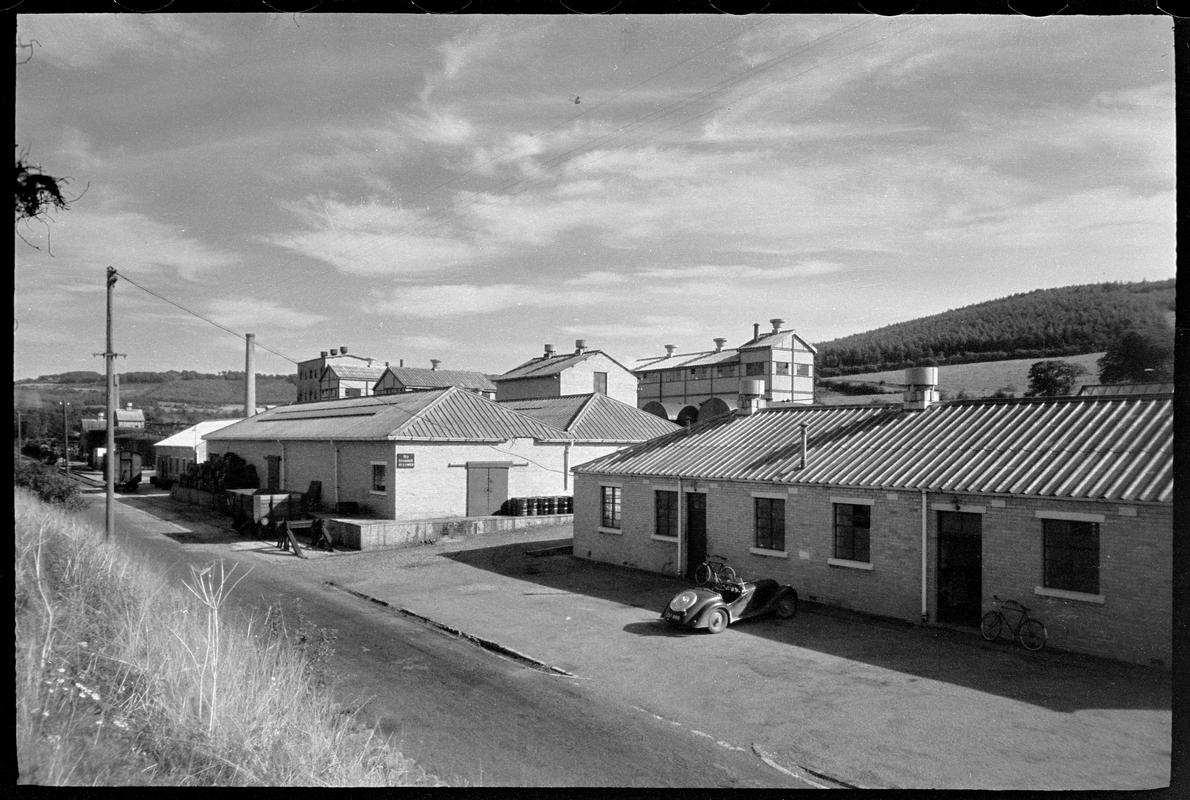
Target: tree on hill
<point x="1052" y="378"/>
<point x="1138" y="357"/>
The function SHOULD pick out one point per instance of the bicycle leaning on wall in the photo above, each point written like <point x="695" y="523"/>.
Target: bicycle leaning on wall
<point x="1012" y="616"/>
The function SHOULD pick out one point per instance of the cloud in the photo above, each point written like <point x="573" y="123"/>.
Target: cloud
<point x="90" y="239"/>
<point x="373" y="238"/>
<point x="475" y="299"/>
<point x="87" y="41"/>
<point x="250" y="315"/>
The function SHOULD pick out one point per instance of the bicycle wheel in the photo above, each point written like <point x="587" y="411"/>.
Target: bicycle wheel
<point x="991" y="625"/>
<point x="727" y="575"/>
<point x="702" y="575"/>
<point x="1032" y="635"/>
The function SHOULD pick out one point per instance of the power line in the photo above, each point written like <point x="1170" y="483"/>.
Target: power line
<point x="239" y="336"/>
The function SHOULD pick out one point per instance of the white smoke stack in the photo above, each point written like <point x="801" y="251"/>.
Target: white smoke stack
<point x="249" y="374"/>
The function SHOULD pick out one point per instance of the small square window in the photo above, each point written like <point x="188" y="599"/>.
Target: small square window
<point x="610" y="507"/>
<point x="853" y="532"/>
<point x="1071" y="554"/>
<point x="665" y="513"/>
<point x="781" y="367"/>
<point x="379" y="478"/>
<point x="770" y="523"/>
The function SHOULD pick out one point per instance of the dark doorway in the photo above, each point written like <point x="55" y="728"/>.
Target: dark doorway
<point x="696" y="531"/>
<point x="960" y="567"/>
<point x="487" y="487"/>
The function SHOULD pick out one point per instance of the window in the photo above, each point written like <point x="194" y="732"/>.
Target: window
<point x="601" y="382"/>
<point x="274" y="471"/>
<point x="351" y="392"/>
<point x="770" y="523"/>
<point x="379" y="477"/>
<point x="853" y="532"/>
<point x="672" y="376"/>
<point x="803" y="370"/>
<point x="1071" y="553"/>
<point x="610" y="505"/>
<point x="755" y="368"/>
<point x="726" y="370"/>
<point x="781" y="367"/>
<point x="665" y="513"/>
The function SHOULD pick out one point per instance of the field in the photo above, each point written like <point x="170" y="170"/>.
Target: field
<point x="979" y="379"/>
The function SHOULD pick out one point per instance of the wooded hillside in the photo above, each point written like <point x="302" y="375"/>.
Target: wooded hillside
<point x="1047" y="323"/>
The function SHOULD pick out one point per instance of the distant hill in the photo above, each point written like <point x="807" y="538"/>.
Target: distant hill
<point x="1048" y="323"/>
<point x="956" y="381"/>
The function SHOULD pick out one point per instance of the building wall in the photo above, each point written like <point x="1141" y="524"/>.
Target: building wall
<point x="528" y="388"/>
<point x="1130" y="620"/>
<point x="436" y="485"/>
<point x="580" y="379"/>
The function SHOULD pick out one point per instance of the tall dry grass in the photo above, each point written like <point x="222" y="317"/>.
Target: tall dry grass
<point x="124" y="679"/>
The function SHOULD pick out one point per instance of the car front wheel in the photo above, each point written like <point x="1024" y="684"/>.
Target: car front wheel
<point x="717" y="621"/>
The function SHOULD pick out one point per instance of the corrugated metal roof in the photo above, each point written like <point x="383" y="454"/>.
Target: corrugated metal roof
<point x="420" y="377"/>
<point x="684" y="360"/>
<point x="594" y="417"/>
<point x="354" y="372"/>
<point x="542" y="366"/>
<point x="1103" y="390"/>
<point x="450" y="414"/>
<point x="1117" y="448"/>
<point x="191" y="436"/>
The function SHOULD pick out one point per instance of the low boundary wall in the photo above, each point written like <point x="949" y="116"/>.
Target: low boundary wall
<point x="380" y="534"/>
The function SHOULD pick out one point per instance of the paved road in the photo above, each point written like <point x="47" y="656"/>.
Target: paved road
<point x="464" y="714"/>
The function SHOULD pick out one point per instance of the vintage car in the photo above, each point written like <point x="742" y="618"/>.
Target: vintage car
<point x="716" y="606"/>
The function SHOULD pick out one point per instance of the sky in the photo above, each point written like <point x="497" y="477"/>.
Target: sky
<point x="470" y="188"/>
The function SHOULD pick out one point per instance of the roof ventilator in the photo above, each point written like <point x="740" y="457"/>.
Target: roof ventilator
<point x="751" y="396"/>
<point x="921" y="388"/>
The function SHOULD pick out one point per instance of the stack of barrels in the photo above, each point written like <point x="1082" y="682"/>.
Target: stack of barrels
<point x="541" y="506"/>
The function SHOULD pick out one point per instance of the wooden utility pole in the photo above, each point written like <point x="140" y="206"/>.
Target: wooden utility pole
<point x="109" y="356"/>
<point x="65" y="440"/>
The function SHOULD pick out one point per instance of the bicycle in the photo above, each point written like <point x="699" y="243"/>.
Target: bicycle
<point x="715" y="571"/>
<point x="1027" y="631"/>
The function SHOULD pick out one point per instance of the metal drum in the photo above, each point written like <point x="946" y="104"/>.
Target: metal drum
<point x="530" y="506"/>
<point x="548" y="506"/>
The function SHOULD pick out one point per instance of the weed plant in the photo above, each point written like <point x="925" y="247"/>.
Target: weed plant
<point x="124" y="679"/>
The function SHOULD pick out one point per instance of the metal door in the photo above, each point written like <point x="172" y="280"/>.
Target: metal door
<point x="960" y="567"/>
<point x="487" y="488"/>
<point x="696" y="531"/>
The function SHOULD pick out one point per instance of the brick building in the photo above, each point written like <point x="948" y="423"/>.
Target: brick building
<point x="415" y="379"/>
<point x="421" y="455"/>
<point x="558" y="375"/>
<point x="922" y="512"/>
<point x="686" y="387"/>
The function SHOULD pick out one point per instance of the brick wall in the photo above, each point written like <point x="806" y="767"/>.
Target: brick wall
<point x="1129" y="620"/>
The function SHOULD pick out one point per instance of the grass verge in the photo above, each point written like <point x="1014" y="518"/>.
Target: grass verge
<point x="124" y="679"/>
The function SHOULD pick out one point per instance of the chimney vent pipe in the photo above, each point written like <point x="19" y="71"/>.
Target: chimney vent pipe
<point x="719" y="344"/>
<point x="249" y="374"/>
<point x="549" y="351"/>
<point x="755" y="331"/>
<point x="580" y="346"/>
<point x="334" y="351"/>
<point x="775" y="322"/>
<point x="323" y="354"/>
<point x="343" y="349"/>
<point x="802" y="463"/>
<point x="669" y="349"/>
<point x="434" y="363"/>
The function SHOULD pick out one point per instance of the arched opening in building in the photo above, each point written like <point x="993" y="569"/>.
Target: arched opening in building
<point x="714" y="407"/>
<point x="687" y="416"/>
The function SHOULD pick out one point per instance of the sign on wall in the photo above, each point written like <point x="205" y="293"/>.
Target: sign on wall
<point x="404" y="460"/>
